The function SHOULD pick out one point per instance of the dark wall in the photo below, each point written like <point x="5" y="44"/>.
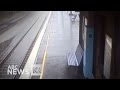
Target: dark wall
<point x="98" y="55"/>
<point x="105" y="23"/>
<point x="115" y="68"/>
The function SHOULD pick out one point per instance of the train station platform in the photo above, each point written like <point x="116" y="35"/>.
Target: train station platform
<point x="43" y="39"/>
<point x="60" y="39"/>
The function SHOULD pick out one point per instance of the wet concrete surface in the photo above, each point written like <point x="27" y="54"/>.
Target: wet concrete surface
<point x="64" y="38"/>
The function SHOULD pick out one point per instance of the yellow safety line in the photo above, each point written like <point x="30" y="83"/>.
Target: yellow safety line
<point x="44" y="58"/>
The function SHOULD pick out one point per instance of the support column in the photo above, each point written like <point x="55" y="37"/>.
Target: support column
<point x="88" y="47"/>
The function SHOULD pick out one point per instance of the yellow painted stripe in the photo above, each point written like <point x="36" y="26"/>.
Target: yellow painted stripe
<point x="44" y="58"/>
